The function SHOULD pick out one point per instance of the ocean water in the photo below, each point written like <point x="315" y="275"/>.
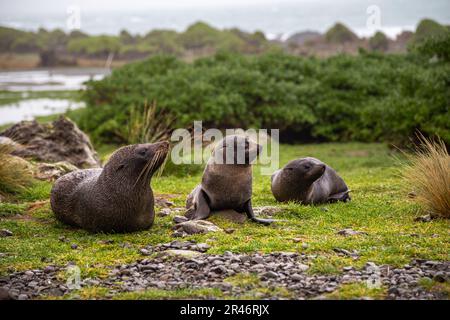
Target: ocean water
<point x="277" y="19"/>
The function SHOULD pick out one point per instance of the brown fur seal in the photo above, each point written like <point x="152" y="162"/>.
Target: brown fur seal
<point x="227" y="180"/>
<point x="309" y="181"/>
<point x="117" y="198"/>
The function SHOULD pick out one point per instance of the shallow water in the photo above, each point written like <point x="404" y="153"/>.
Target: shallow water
<point x="28" y="109"/>
<point x="49" y="79"/>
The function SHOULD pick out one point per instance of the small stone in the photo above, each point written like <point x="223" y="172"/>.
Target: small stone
<point x="297" y="240"/>
<point x="412" y="194"/>
<point x="145" y="252"/>
<point x="440" y="277"/>
<point x="164" y="212"/>
<point x="49" y="269"/>
<point x="302" y="267"/>
<point x="74" y="246"/>
<point x="5" y="233"/>
<point x="22" y="297"/>
<point x="179" y="219"/>
<point x="188" y="254"/>
<point x="203" y="247"/>
<point x="350" y="232"/>
<point x="296" y="277"/>
<point x="348" y="268"/>
<point x="4" y="294"/>
<point x="62" y="239"/>
<point x="197" y="227"/>
<point x="267" y="210"/>
<point x="229" y="230"/>
<point x="324" y="209"/>
<point x="305" y="245"/>
<point x="258" y="259"/>
<point x="425" y="218"/>
<point x="270" y="274"/>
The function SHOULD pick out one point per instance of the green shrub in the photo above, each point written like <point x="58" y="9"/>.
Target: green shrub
<point x="339" y="33"/>
<point x="370" y="97"/>
<point x="379" y="42"/>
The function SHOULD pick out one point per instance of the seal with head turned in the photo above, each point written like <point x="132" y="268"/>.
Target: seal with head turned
<point x="309" y="181"/>
<point x="227" y="180"/>
<point x="117" y="198"/>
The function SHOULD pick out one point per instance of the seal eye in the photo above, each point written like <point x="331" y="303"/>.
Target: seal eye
<point x="307" y="167"/>
<point x="142" y="152"/>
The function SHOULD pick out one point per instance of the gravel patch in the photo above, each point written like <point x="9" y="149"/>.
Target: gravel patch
<point x="159" y="269"/>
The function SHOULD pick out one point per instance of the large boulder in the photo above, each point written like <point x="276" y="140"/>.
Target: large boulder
<point x="58" y="141"/>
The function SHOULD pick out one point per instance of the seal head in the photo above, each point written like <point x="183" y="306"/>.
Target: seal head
<point x="117" y="198"/>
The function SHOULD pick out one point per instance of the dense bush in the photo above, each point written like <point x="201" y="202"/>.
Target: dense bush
<point x="379" y="42"/>
<point x="370" y="97"/>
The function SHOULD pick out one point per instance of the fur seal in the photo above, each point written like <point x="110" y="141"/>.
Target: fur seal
<point x="309" y="181"/>
<point x="227" y="180"/>
<point x="117" y="198"/>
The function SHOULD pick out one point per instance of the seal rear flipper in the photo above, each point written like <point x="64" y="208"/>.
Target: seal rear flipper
<point x="341" y="196"/>
<point x="248" y="209"/>
<point x="200" y="208"/>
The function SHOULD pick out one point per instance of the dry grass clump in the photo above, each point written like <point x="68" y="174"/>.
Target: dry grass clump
<point x="149" y="125"/>
<point x="15" y="173"/>
<point x="428" y="175"/>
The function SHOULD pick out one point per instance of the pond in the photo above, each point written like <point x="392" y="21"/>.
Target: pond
<point x="55" y="80"/>
<point x="29" y="109"/>
<point x="49" y="79"/>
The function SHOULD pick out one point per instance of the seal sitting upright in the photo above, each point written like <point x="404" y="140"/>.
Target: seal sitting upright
<point x="117" y="198"/>
<point x="227" y="180"/>
<point x="309" y="181"/>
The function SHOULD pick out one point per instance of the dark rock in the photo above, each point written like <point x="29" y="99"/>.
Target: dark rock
<point x="350" y="232"/>
<point x="270" y="274"/>
<point x="425" y="218"/>
<point x="164" y="212"/>
<point x="4" y="294"/>
<point x="197" y="226"/>
<point x="440" y="277"/>
<point x="74" y="246"/>
<point x="179" y="219"/>
<point x="52" y="171"/>
<point x="59" y="141"/>
<point x="5" y="233"/>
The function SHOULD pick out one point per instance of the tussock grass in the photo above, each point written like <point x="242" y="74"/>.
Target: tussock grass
<point x="15" y="173"/>
<point x="428" y="175"/>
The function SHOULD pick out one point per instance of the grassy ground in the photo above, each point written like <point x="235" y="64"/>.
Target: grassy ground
<point x="380" y="207"/>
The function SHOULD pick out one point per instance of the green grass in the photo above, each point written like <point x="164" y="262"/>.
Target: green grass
<point x="380" y="207"/>
<point x="357" y="290"/>
<point x="8" y="97"/>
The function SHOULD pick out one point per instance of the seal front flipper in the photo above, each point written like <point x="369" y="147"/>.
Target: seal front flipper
<point x="341" y="196"/>
<point x="200" y="208"/>
<point x="248" y="209"/>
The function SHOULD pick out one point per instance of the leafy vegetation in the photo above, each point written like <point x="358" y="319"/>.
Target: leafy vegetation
<point x="339" y="33"/>
<point x="379" y="42"/>
<point x="369" y="97"/>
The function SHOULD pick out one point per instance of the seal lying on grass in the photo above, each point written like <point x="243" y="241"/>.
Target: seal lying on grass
<point x="227" y="180"/>
<point x="117" y="198"/>
<point x="309" y="181"/>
